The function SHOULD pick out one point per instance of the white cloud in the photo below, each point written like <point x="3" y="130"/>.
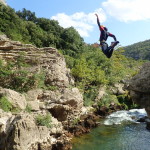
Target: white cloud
<point x="128" y="10"/>
<point x="81" y="21"/>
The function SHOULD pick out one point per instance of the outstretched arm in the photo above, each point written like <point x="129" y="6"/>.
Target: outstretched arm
<point x="98" y="22"/>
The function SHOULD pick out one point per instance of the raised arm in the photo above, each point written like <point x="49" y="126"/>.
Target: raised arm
<point x="98" y="22"/>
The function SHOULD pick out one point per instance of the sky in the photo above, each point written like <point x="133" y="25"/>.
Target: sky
<point x="128" y="20"/>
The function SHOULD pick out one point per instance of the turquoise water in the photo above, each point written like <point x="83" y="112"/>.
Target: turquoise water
<point x="133" y="136"/>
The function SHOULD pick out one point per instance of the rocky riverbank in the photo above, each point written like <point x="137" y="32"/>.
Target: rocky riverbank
<point x="41" y="118"/>
<point x="47" y="117"/>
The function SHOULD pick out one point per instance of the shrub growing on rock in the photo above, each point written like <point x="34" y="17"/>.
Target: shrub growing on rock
<point x="5" y="104"/>
<point x="44" y="120"/>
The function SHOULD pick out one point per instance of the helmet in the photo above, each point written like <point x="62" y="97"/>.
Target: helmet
<point x="104" y="28"/>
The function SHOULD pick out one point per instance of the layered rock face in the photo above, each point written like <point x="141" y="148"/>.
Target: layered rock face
<point x="19" y="131"/>
<point x="139" y="87"/>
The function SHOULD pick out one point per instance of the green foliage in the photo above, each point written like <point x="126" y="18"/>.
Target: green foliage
<point x="81" y="71"/>
<point x="126" y="101"/>
<point x="92" y="69"/>
<point x="138" y="50"/>
<point x="12" y="25"/>
<point x="20" y="61"/>
<point x="16" y="76"/>
<point x="39" y="79"/>
<point x="28" y="109"/>
<point x="5" y="104"/>
<point x="51" y="87"/>
<point x="90" y="95"/>
<point x="27" y="15"/>
<point x="107" y="100"/>
<point x="26" y="27"/>
<point x="70" y="61"/>
<point x="75" y="121"/>
<point x="44" y="120"/>
<point x="71" y="40"/>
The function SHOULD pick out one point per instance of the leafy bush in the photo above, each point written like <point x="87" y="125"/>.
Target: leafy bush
<point x="51" y="87"/>
<point x="28" y="109"/>
<point x="15" y="75"/>
<point x="90" y="95"/>
<point x="107" y="100"/>
<point x="126" y="100"/>
<point x="93" y="69"/>
<point x="5" y="104"/>
<point x="44" y="120"/>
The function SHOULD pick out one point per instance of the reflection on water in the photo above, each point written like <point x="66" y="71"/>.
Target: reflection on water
<point x="127" y="136"/>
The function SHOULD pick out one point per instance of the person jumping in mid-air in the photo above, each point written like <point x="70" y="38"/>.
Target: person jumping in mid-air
<point x="103" y="38"/>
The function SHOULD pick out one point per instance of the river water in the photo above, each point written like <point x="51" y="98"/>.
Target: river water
<point x="119" y="131"/>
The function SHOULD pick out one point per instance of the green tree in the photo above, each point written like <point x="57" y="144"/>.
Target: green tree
<point x="71" y="40"/>
<point x="36" y="33"/>
<point x="27" y="15"/>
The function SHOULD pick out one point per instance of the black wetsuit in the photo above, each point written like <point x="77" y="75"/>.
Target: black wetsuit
<point x="103" y="37"/>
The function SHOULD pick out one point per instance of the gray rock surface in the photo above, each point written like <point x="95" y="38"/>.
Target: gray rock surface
<point x="16" y="99"/>
<point x="139" y="87"/>
<point x="24" y="134"/>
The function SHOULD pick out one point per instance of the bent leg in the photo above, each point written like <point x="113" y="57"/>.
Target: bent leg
<point x="110" y="52"/>
<point x="107" y="50"/>
<point x="111" y="49"/>
<point x="104" y="47"/>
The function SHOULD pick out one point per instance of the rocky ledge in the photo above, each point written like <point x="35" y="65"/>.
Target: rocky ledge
<point x="20" y="130"/>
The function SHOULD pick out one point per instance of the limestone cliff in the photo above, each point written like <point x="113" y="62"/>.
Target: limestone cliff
<point x="19" y="131"/>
